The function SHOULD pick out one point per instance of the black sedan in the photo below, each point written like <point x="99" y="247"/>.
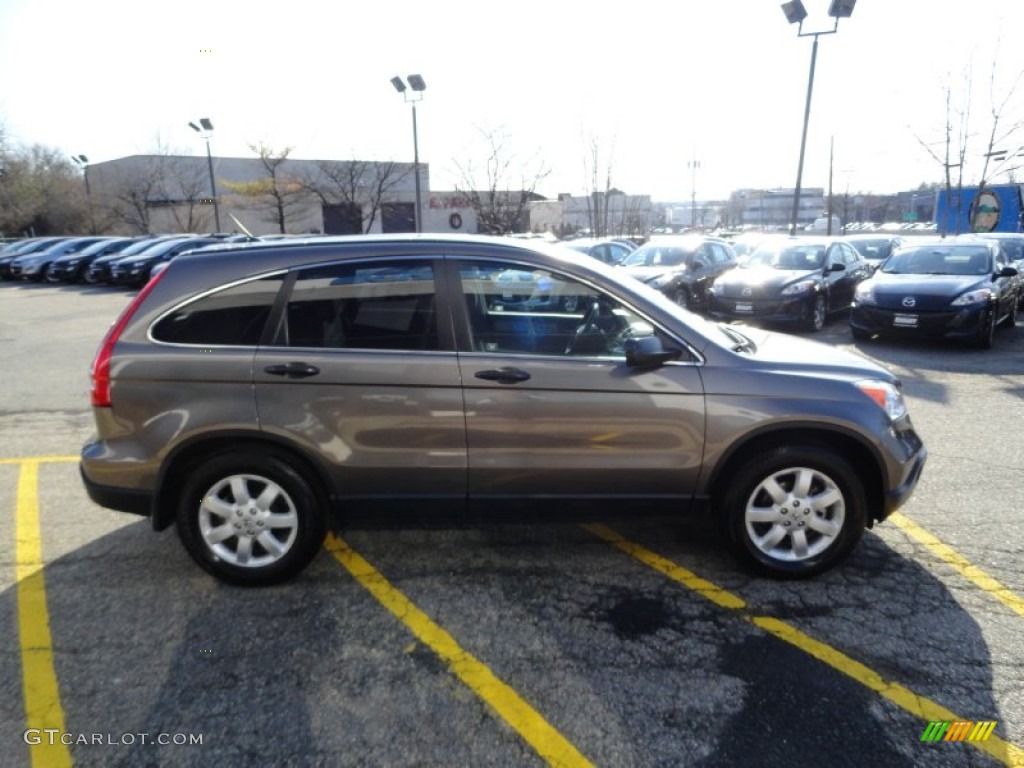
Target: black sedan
<point x="939" y="289"/>
<point x="682" y="267"/>
<point x="796" y="280"/>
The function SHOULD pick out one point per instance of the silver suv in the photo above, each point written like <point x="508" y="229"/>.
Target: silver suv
<point x="256" y="395"/>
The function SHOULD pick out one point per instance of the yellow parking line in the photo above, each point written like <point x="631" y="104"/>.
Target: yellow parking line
<point x="39" y="678"/>
<point x="538" y="733"/>
<point x="39" y="459"/>
<point x="960" y="564"/>
<point x="919" y="706"/>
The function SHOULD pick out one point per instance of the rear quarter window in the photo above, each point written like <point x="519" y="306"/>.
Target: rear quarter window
<point x="234" y="316"/>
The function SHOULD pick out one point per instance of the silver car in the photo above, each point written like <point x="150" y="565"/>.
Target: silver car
<point x="255" y="396"/>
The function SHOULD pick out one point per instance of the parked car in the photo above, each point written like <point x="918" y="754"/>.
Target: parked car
<point x="23" y="248"/>
<point x="608" y="250"/>
<point x="875" y="248"/>
<point x="799" y="280"/>
<point x="253" y="397"/>
<point x="1013" y="246"/>
<point x="71" y="267"/>
<point x="134" y="270"/>
<point x="949" y="288"/>
<point x="99" y="269"/>
<point x="682" y="267"/>
<point x="34" y="266"/>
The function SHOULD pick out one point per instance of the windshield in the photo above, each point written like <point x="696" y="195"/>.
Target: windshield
<point x="874" y="250"/>
<point x="655" y="256"/>
<point x="803" y="256"/>
<point x="940" y="260"/>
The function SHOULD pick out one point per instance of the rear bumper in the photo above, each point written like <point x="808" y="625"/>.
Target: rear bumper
<point x="120" y="499"/>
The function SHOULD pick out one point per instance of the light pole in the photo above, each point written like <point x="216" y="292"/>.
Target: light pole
<point x="83" y="162"/>
<point x="795" y="14"/>
<point x="693" y="165"/>
<point x="418" y="86"/>
<point x="205" y="130"/>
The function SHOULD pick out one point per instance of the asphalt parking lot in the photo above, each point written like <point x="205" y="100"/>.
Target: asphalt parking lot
<point x="636" y="644"/>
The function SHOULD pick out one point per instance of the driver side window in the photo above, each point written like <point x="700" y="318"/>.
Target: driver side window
<point x="516" y="309"/>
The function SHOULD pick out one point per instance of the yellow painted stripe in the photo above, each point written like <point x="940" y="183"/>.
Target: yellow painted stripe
<point x="1009" y="754"/>
<point x="959" y="563"/>
<point x="39" y="459"/>
<point x="538" y="733"/>
<point x="39" y="678"/>
<point x="676" y="572"/>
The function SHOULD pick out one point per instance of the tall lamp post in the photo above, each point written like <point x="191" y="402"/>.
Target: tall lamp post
<point x="418" y="86"/>
<point x="795" y="14"/>
<point x="83" y="162"/>
<point x="693" y="164"/>
<point x="205" y="130"/>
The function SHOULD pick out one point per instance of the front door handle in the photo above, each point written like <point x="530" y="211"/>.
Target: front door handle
<point x="292" y="370"/>
<point x="503" y="375"/>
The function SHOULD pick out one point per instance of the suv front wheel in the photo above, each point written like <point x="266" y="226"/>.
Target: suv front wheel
<point x="794" y="512"/>
<point x="250" y="519"/>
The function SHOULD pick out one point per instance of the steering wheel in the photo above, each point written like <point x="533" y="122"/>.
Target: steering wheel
<point x="588" y="324"/>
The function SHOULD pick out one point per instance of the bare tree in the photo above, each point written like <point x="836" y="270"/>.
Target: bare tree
<point x="191" y="202"/>
<point x="279" y="196"/>
<point x="359" y="185"/>
<point x="41" y="192"/>
<point x="499" y="202"/>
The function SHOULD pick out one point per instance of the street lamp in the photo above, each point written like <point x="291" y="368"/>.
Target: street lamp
<point x="418" y="87"/>
<point x="83" y="162"/>
<point x="693" y="165"/>
<point x="795" y="14"/>
<point x="205" y="130"/>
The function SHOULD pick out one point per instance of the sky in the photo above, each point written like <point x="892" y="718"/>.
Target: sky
<point x="679" y="98"/>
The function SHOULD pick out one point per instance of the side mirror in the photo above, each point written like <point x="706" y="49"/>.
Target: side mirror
<point x="1008" y="272"/>
<point x="836" y="267"/>
<point x="648" y="352"/>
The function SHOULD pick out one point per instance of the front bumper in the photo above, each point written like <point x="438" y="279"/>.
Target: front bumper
<point x="965" y="323"/>
<point x="774" y="310"/>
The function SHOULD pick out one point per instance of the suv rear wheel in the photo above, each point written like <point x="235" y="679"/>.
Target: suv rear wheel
<point x="250" y="518"/>
<point x="794" y="512"/>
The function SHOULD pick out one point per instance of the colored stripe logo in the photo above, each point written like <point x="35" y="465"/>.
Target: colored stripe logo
<point x="958" y="730"/>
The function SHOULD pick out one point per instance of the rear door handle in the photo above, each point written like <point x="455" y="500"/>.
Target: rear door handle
<point x="503" y="375"/>
<point x="293" y="370"/>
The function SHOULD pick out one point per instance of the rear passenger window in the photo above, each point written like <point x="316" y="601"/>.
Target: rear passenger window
<point x="234" y="316"/>
<point x="369" y="305"/>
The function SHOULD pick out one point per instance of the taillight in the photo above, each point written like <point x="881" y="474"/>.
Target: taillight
<point x="100" y="371"/>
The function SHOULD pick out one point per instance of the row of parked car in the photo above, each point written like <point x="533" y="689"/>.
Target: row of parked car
<point x="128" y="261"/>
<point x="959" y="288"/>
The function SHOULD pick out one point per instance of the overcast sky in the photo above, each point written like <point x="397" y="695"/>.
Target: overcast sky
<point x="653" y="84"/>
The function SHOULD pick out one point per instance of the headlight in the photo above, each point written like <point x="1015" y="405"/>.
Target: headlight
<point x="865" y="294"/>
<point x="802" y="287"/>
<point x="980" y="296"/>
<point x="888" y="397"/>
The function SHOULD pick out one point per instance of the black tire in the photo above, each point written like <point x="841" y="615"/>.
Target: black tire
<point x="987" y="333"/>
<point x="282" y="535"/>
<point x="1011" y="319"/>
<point x="815" y="313"/>
<point x="682" y="298"/>
<point x="819" y="505"/>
